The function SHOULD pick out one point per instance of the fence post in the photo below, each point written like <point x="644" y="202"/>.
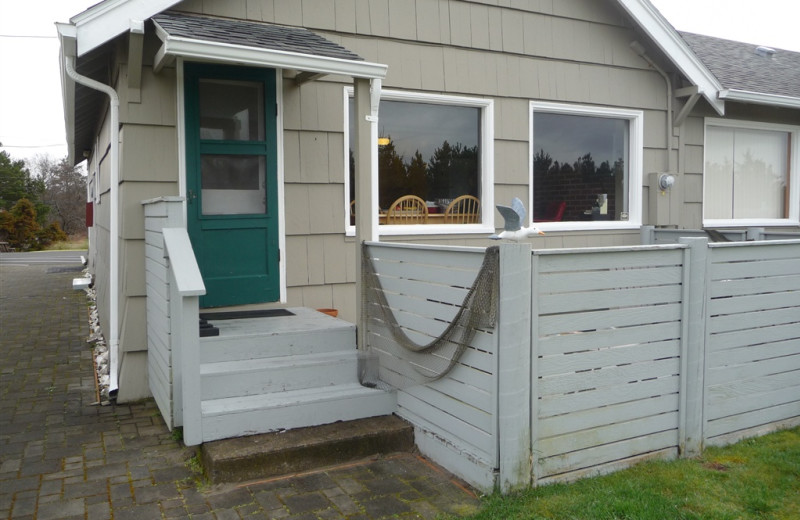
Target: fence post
<point x="514" y="358"/>
<point x="648" y="235"/>
<point x="755" y="234"/>
<point x="693" y="346"/>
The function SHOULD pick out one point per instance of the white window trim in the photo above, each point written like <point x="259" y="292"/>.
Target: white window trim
<point x="794" y="174"/>
<point x="635" y="164"/>
<point x="486" y="165"/>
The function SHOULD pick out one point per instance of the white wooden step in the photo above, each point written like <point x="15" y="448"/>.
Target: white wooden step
<point x="307" y="332"/>
<point x="238" y="416"/>
<point x="277" y="374"/>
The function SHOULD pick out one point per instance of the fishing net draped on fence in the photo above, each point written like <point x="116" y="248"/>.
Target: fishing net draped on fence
<point x="433" y="360"/>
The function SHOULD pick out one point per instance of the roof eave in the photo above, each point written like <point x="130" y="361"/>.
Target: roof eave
<point x="758" y="98"/>
<point x="670" y="42"/>
<point x="107" y="20"/>
<point x="240" y="54"/>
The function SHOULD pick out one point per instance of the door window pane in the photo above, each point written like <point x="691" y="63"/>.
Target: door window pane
<point x="231" y="110"/>
<point x="430" y="150"/>
<point x="233" y="184"/>
<point x="746" y="173"/>
<point x="580" y="167"/>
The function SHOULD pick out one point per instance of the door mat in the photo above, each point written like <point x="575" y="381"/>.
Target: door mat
<point x="237" y="315"/>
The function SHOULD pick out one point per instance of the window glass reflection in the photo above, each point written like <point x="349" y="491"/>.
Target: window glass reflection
<point x="231" y="110"/>
<point x="580" y="167"/>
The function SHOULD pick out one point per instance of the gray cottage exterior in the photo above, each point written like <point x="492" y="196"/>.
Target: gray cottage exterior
<point x="274" y="120"/>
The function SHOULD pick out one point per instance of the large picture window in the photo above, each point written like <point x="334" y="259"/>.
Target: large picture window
<point x="586" y="166"/>
<point x="748" y="173"/>
<point x="434" y="162"/>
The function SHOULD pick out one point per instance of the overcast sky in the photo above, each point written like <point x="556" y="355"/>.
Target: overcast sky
<point x="31" y="118"/>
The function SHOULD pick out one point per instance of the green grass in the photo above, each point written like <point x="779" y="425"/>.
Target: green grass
<point x="753" y="479"/>
<point x="73" y="244"/>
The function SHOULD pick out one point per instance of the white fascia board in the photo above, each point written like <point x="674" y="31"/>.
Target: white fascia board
<point x="66" y="36"/>
<point x="240" y="54"/>
<point x="107" y="20"/>
<point x="670" y="42"/>
<point x="757" y="98"/>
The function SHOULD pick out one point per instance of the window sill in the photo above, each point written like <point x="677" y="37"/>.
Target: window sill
<point x="744" y="223"/>
<point x="429" y="229"/>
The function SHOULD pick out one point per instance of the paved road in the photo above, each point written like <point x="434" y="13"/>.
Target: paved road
<point x="42" y="257"/>
<point x="63" y="457"/>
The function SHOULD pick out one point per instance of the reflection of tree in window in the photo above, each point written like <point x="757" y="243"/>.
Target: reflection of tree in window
<point x="426" y="149"/>
<point x="566" y="169"/>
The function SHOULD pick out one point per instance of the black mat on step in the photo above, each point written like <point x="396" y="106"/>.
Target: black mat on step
<point x="237" y="315"/>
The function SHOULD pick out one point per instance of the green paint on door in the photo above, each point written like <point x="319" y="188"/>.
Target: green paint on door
<point x="231" y="182"/>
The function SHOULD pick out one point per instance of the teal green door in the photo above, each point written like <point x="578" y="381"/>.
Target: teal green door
<point x="231" y="182"/>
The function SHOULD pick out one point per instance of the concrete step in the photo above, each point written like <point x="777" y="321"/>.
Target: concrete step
<point x="262" y="413"/>
<point x="303" y="449"/>
<point x="277" y="374"/>
<point x="306" y="332"/>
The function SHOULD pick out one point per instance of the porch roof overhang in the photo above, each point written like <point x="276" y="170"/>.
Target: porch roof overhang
<point x="676" y="49"/>
<point x="259" y="44"/>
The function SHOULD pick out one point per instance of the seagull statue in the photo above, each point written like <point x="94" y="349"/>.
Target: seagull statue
<point x="514" y="216"/>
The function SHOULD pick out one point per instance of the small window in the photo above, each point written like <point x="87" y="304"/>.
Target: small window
<point x="586" y="166"/>
<point x="435" y="149"/>
<point x="747" y="174"/>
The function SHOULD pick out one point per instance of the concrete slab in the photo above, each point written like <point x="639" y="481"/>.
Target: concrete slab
<point x="298" y="450"/>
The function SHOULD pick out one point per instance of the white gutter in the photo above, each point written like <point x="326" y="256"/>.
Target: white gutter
<point x="230" y="53"/>
<point x="113" y="340"/>
<point x="745" y="96"/>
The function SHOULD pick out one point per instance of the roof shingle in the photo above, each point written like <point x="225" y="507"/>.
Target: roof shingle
<point x="250" y="34"/>
<point x="737" y="66"/>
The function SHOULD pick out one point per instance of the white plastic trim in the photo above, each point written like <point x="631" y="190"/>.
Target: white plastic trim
<point x="241" y="54"/>
<point x="635" y="164"/>
<point x="487" y="165"/>
<point x="183" y="264"/>
<point x="794" y="173"/>
<point x="758" y="98"/>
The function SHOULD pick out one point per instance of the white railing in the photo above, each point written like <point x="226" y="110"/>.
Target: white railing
<point x="174" y="285"/>
<point x="605" y="357"/>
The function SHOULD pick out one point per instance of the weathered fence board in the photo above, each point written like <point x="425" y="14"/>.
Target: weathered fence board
<point x="608" y="279"/>
<point x="622" y="412"/>
<point x="577" y="341"/>
<point x="424" y="289"/>
<point x="594" y="458"/>
<point x="753" y="363"/>
<point x="555" y="365"/>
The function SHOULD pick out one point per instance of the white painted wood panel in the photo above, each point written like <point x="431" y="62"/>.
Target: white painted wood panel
<point x="424" y="287"/>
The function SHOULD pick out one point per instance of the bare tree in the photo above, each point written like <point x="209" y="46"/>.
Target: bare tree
<point x="65" y="192"/>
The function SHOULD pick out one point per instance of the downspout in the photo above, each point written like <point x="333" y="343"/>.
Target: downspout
<point x="640" y="50"/>
<point x="113" y="339"/>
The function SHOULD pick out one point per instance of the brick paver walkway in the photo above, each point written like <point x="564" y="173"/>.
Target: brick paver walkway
<point x="62" y="456"/>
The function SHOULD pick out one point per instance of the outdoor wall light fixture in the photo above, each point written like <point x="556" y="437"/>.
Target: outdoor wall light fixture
<point x="666" y="181"/>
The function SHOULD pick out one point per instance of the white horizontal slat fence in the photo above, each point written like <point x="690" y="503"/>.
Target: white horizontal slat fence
<point x="753" y="347"/>
<point x="160" y="214"/>
<point x="607" y="364"/>
<point x="600" y="358"/>
<point x="455" y="416"/>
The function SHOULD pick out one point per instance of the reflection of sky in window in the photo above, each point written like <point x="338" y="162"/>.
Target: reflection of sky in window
<point x="425" y="126"/>
<point x="567" y="137"/>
